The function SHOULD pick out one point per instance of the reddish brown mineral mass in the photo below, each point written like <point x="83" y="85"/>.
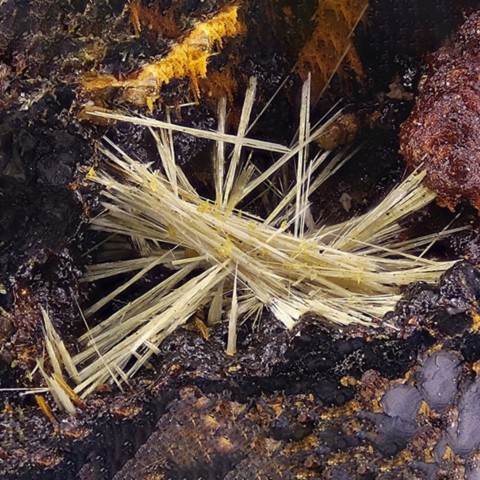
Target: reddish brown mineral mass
<point x="442" y="135"/>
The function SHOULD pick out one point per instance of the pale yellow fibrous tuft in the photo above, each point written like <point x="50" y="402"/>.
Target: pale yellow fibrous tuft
<point x="234" y="264"/>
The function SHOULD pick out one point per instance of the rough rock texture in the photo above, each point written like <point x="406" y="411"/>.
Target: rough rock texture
<point x="320" y="402"/>
<point x="442" y="133"/>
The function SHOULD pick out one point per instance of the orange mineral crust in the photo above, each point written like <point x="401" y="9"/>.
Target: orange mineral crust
<point x="442" y="135"/>
<point x="188" y="58"/>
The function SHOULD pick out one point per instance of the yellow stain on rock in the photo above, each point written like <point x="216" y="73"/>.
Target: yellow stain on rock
<point x="188" y="58"/>
<point x="476" y="321"/>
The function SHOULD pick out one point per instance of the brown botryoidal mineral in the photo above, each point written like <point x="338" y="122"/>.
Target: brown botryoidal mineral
<point x="442" y="135"/>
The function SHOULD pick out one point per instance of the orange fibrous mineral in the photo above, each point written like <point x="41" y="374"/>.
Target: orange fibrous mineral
<point x="187" y="59"/>
<point x="153" y="20"/>
<point x="331" y="42"/>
